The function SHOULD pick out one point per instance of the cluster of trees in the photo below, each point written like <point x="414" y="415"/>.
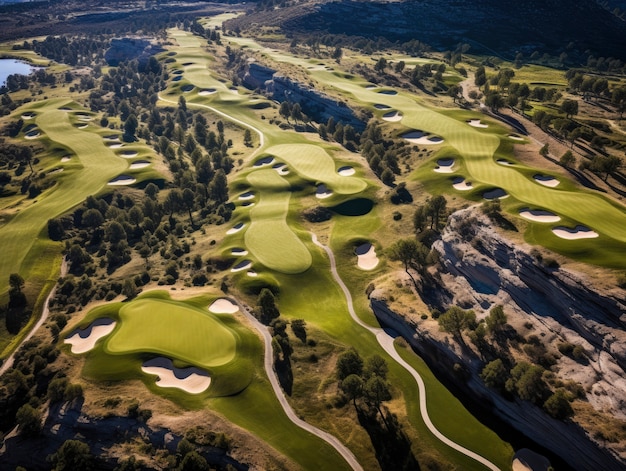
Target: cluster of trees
<point x="75" y="51"/>
<point x="597" y="86"/>
<point x="345" y="135"/>
<point x="382" y="154"/>
<point x="16" y="312"/>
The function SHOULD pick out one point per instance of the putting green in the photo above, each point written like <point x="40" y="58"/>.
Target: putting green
<point x="313" y="163"/>
<point x="147" y="326"/>
<point x="269" y="238"/>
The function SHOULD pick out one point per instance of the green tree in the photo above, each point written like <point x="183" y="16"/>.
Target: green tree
<point x="337" y="53"/>
<point x="247" y="138"/>
<point x="412" y="253"/>
<point x="376" y="366"/>
<point x="527" y="382"/>
<point x="352" y="387"/>
<point x="16" y="282"/>
<point x="130" y="127"/>
<point x="349" y="363"/>
<point x="567" y="160"/>
<point x="496" y="320"/>
<point x="436" y="207"/>
<point x="569" y="107"/>
<point x="494" y="374"/>
<point x="545" y="150"/>
<point x="494" y="101"/>
<point x="455" y="320"/>
<point x="267" y="306"/>
<point x="298" y="327"/>
<point x="29" y="420"/>
<point x="71" y="456"/>
<point x="381" y="65"/>
<point x="558" y="406"/>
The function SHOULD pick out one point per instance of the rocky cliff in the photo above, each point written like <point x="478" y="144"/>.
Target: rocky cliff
<point x="479" y="269"/>
<point x="314" y="104"/>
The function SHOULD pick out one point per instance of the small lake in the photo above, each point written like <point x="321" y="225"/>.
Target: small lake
<point x="12" y="66"/>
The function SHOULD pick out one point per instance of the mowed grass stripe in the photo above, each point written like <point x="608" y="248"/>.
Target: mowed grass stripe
<point x="175" y="330"/>
<point x="269" y="238"/>
<point x="313" y="163"/>
<point x="99" y="165"/>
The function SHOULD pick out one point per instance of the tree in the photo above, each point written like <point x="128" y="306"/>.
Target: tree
<point x="267" y="306"/>
<point x="455" y="92"/>
<point x="247" y="138"/>
<point x="527" y="382"/>
<point x="130" y="128"/>
<point x="92" y="218"/>
<point x="400" y="67"/>
<point x="298" y="327"/>
<point x="436" y="207"/>
<point x="381" y="65"/>
<point x="337" y="53"/>
<point x="296" y="112"/>
<point x="496" y="320"/>
<point x="72" y="455"/>
<point x="376" y="366"/>
<point x="558" y="406"/>
<point x="349" y="363"/>
<point x="545" y="150"/>
<point x="376" y="390"/>
<point x="567" y="159"/>
<point x="189" y="198"/>
<point x="352" y="387"/>
<point x="218" y="188"/>
<point x="420" y="218"/>
<point x="411" y="253"/>
<point x="455" y="320"/>
<point x="569" y="107"/>
<point x="16" y="282"/>
<point x="494" y="374"/>
<point x="29" y="420"/>
<point x="494" y="101"/>
<point x="193" y="461"/>
<point x="618" y="98"/>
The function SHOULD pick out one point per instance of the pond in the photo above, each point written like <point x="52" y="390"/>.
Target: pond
<point x="12" y="66"/>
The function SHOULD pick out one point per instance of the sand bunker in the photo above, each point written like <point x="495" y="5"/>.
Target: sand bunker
<point x="252" y="273"/>
<point x="82" y="126"/>
<point x="264" y="161"/>
<point x="323" y="192"/>
<point x="281" y="168"/>
<point x="477" y="124"/>
<point x="380" y="106"/>
<point x="461" y="185"/>
<point x="122" y="180"/>
<point x="579" y="232"/>
<point x="207" y="91"/>
<point x="420" y="137"/>
<point x="223" y="306"/>
<point x="177" y="72"/>
<point x="495" y="194"/>
<point x="346" y="171"/>
<point x="55" y="170"/>
<point x="178" y="78"/>
<point x="366" y="256"/>
<point x="28" y="115"/>
<point x="239" y="251"/>
<point x="248" y="195"/>
<point x="504" y="162"/>
<point x="116" y="146"/>
<point x="236" y="228"/>
<point x="83" y="340"/>
<point x="444" y="166"/>
<point x="66" y="158"/>
<point x="527" y="460"/>
<point x="393" y="116"/>
<point x="187" y="88"/>
<point x="546" y="180"/>
<point x="388" y="92"/>
<point x="112" y="137"/>
<point x="244" y="265"/>
<point x="516" y="137"/>
<point x="34" y="134"/>
<point x="191" y="380"/>
<point x="539" y="215"/>
<point x="247" y="204"/>
<point x="139" y="164"/>
<point x="128" y="154"/>
<point x="371" y="87"/>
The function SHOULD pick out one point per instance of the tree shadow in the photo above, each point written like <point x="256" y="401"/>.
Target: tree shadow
<point x="391" y="445"/>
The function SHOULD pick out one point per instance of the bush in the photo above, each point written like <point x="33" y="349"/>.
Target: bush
<point x="558" y="406"/>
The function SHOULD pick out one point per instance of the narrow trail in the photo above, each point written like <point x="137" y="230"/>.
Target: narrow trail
<point x="386" y="341"/>
<point x="230" y="118"/>
<point x="8" y="363"/>
<point x="280" y="395"/>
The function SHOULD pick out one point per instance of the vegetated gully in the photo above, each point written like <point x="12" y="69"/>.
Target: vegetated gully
<point x="384" y="338"/>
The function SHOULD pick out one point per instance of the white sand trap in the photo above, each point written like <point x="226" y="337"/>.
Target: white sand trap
<point x="323" y="192"/>
<point x="546" y="180"/>
<point x="444" y="166"/>
<point x="223" y="306"/>
<point x="85" y="339"/>
<point x="461" y="185"/>
<point x="111" y="138"/>
<point x="191" y="380"/>
<point x="65" y="108"/>
<point x="27" y="116"/>
<point x="393" y="116"/>
<point x="234" y="90"/>
<point x="236" y="228"/>
<point x="252" y="273"/>
<point x="346" y="171"/>
<point x="371" y="87"/>
<point x="579" y="232"/>
<point x="366" y="256"/>
<point x="244" y="265"/>
<point x="128" y="154"/>
<point x="82" y="126"/>
<point x="420" y="137"/>
<point x="388" y="92"/>
<point x="247" y="204"/>
<point x="116" y="146"/>
<point x="282" y="170"/>
<point x="515" y="137"/>
<point x="187" y="88"/>
<point x="248" y="195"/>
<point x="56" y="170"/>
<point x="139" y="164"/>
<point x="477" y="124"/>
<point x="32" y="135"/>
<point x="539" y="215"/>
<point x="239" y="251"/>
<point x="264" y="161"/>
<point x="527" y="460"/>
<point x="178" y="78"/>
<point x="207" y="91"/>
<point x="504" y="162"/>
<point x="495" y="194"/>
<point x="66" y="159"/>
<point x="122" y="180"/>
<point x="380" y="106"/>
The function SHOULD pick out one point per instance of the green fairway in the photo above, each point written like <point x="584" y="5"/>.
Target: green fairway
<point x="146" y="325"/>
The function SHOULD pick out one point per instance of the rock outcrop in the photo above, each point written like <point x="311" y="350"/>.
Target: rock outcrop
<point x="314" y="104"/>
<point x="480" y="269"/>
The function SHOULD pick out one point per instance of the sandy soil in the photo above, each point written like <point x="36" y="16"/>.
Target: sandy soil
<point x="420" y="137"/>
<point x="392" y="116"/>
<point x="323" y="192"/>
<point x="366" y="257"/>
<point x="579" y="232"/>
<point x="206" y="92"/>
<point x="461" y="185"/>
<point x="85" y="339"/>
<point x="139" y="164"/>
<point x="539" y="215"/>
<point x="346" y="171"/>
<point x="546" y="180"/>
<point x="122" y="180"/>
<point x="444" y="166"/>
<point x="191" y="380"/>
<point x="477" y="124"/>
<point x="223" y="306"/>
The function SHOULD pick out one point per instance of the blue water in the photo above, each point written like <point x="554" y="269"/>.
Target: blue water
<point x="12" y="66"/>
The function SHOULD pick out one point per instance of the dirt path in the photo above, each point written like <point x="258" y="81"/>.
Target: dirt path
<point x="386" y="340"/>
<point x="8" y="363"/>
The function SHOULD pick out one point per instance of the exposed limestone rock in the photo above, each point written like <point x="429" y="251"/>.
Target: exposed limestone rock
<point x="482" y="269"/>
